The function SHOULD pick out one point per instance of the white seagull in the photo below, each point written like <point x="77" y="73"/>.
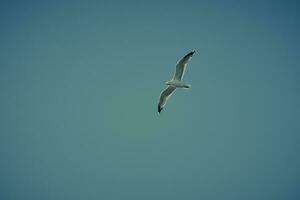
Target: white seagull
<point x="175" y="82"/>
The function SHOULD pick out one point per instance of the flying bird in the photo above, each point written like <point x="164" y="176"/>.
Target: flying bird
<point x="176" y="81"/>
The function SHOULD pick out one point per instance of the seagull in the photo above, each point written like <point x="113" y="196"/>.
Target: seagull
<point x="175" y="82"/>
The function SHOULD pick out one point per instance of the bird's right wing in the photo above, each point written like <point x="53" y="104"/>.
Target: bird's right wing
<point x="181" y="66"/>
<point x="164" y="96"/>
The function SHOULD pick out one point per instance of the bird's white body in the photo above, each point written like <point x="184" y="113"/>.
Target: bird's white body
<point x="175" y="82"/>
<point x="178" y="84"/>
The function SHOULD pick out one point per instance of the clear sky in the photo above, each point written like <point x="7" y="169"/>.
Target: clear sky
<point x="80" y="82"/>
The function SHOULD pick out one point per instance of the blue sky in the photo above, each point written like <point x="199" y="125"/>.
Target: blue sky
<point x="80" y="83"/>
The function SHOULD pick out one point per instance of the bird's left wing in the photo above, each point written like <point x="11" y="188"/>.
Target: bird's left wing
<point x="164" y="96"/>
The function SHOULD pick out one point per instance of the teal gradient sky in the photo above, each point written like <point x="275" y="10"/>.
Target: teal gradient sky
<point x="79" y="88"/>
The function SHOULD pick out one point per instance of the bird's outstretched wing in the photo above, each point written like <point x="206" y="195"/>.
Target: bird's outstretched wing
<point x="181" y="65"/>
<point x="164" y="96"/>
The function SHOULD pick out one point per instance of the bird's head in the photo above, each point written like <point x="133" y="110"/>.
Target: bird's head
<point x="168" y="83"/>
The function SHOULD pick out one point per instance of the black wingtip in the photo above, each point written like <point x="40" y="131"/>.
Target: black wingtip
<point x="159" y="109"/>
<point x="191" y="53"/>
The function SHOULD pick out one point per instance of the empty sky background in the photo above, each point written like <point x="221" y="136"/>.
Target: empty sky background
<point x="80" y="82"/>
